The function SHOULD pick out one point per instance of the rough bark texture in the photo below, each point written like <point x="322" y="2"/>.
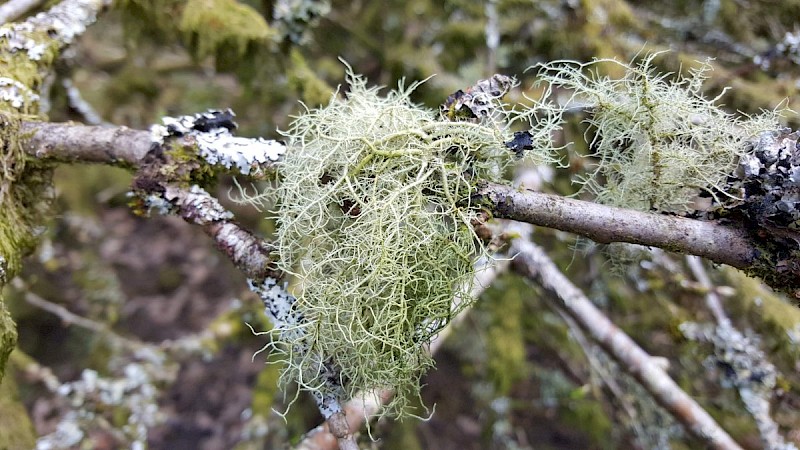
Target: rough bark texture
<point x="606" y="224"/>
<point x="67" y="142"/>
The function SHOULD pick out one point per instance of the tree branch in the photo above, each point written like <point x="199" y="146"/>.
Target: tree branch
<point x="606" y="224"/>
<point x="70" y="143"/>
<point x="14" y="9"/>
<point x="532" y="262"/>
<point x="250" y="254"/>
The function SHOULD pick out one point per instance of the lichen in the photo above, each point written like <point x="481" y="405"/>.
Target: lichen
<point x="295" y="17"/>
<point x="211" y="133"/>
<point x="374" y="222"/>
<point x="657" y="142"/>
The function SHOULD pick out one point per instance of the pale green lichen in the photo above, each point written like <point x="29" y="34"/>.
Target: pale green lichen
<point x="657" y="141"/>
<point x="374" y="222"/>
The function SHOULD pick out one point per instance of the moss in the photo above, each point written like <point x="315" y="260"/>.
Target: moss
<point x="152" y="19"/>
<point x="24" y="194"/>
<point x="25" y="186"/>
<point x="403" y="436"/>
<point x="185" y="166"/>
<point x="132" y="80"/>
<point x="8" y="338"/>
<point x="266" y="388"/>
<point x="589" y="416"/>
<point x="212" y="27"/>
<point x="505" y="342"/>
<point x="311" y="89"/>
<point x="16" y="429"/>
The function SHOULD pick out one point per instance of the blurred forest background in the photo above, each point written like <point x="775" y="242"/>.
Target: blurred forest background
<point x="159" y="312"/>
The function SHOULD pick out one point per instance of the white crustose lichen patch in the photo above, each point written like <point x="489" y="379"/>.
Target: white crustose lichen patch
<point x="201" y="202"/>
<point x="212" y="132"/>
<point x="16" y="93"/>
<point x="18" y="40"/>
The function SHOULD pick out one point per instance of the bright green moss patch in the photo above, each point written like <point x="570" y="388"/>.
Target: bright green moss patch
<point x="214" y="25"/>
<point x="311" y="89"/>
<point x="220" y="28"/>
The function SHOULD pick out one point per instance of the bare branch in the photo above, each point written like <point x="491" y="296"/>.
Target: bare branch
<point x="14" y="9"/>
<point x="713" y="301"/>
<point x="606" y="224"/>
<point x="532" y="262"/>
<point x="68" y="142"/>
<point x="250" y="254"/>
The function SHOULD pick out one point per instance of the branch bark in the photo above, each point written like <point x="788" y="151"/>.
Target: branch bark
<point x="71" y="143"/>
<point x="605" y="224"/>
<point x="14" y="9"/>
<point x="249" y="253"/>
<point x="532" y="262"/>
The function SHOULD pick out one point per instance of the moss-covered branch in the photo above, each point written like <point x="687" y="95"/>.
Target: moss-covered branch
<point x="27" y="52"/>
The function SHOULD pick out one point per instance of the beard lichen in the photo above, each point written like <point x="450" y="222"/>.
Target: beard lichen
<point x="373" y="217"/>
<point x="657" y="141"/>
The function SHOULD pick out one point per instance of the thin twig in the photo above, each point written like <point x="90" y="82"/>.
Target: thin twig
<point x="80" y="105"/>
<point x="712" y="298"/>
<point x="532" y="262"/>
<point x="14" y="9"/>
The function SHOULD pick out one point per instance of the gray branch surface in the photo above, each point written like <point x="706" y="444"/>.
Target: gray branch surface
<point x="68" y="142"/>
<point x="14" y="9"/>
<point x="247" y="252"/>
<point x="606" y="224"/>
<point x="533" y="262"/>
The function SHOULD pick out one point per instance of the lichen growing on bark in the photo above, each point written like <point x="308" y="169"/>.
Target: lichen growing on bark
<point x="374" y="222"/>
<point x="658" y="142"/>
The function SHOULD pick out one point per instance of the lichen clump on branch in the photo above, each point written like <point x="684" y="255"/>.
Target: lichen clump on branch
<point x="374" y="223"/>
<point x="657" y="141"/>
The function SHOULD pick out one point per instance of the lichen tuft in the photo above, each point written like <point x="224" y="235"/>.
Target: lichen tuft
<point x="374" y="223"/>
<point x="658" y="142"/>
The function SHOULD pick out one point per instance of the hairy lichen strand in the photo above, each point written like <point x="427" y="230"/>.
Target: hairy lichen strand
<point x="374" y="208"/>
